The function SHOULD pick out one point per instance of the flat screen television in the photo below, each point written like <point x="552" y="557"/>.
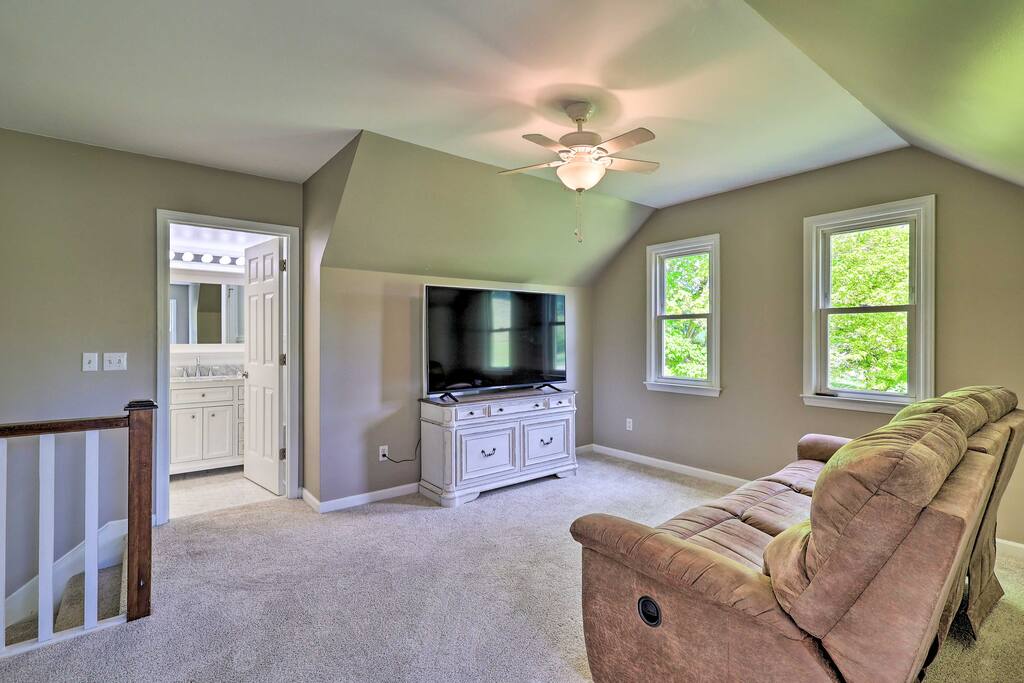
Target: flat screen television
<point x="478" y="339"/>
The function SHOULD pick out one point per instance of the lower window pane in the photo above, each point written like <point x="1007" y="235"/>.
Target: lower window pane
<point x="685" y="348"/>
<point x="868" y="352"/>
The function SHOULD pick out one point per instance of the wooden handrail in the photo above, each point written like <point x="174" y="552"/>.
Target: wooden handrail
<point x="84" y="424"/>
<point x="139" y="422"/>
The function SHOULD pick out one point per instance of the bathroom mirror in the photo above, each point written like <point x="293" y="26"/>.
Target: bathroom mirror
<point x="204" y="313"/>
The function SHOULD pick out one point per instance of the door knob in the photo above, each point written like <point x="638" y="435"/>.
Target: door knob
<point x="245" y="374"/>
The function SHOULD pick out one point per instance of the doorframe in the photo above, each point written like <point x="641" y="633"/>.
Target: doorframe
<point x="291" y="405"/>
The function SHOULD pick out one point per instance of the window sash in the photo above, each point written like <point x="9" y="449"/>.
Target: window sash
<point x="660" y="335"/>
<point x="825" y="310"/>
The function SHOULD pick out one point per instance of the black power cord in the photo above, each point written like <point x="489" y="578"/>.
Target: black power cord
<point x="415" y="455"/>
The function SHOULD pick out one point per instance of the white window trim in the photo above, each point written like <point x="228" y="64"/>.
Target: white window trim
<point x="656" y="253"/>
<point x="919" y="210"/>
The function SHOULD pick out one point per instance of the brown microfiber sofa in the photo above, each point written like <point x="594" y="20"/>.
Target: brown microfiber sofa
<point x="847" y="565"/>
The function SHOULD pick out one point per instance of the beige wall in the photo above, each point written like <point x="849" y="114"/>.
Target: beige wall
<point x="321" y="197"/>
<point x="78" y="269"/>
<point x="752" y="428"/>
<point x="372" y="373"/>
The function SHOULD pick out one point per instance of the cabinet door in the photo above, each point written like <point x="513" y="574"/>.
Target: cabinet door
<point x="547" y="441"/>
<point x="218" y="429"/>
<point x="186" y="434"/>
<point x="486" y="452"/>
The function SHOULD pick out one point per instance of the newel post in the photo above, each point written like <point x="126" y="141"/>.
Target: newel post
<point x="140" y="506"/>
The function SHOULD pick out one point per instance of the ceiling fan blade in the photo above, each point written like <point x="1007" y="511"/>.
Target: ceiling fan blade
<point x="545" y="142"/>
<point x="549" y="164"/>
<point x="633" y="138"/>
<point x="632" y="165"/>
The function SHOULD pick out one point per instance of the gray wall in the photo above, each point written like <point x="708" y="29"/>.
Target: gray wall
<point x="752" y="428"/>
<point x="78" y="274"/>
<point x="372" y="373"/>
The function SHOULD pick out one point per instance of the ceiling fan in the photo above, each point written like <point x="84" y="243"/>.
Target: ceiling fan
<point x="583" y="157"/>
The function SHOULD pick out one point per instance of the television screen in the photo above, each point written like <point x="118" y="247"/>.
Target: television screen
<point x="481" y="339"/>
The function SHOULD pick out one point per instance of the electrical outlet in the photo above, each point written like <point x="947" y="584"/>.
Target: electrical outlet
<point x="90" y="362"/>
<point x="382" y="453"/>
<point x="629" y="424"/>
<point x="115" y="361"/>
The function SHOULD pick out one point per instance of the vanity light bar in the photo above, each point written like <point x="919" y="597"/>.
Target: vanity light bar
<point x="189" y="257"/>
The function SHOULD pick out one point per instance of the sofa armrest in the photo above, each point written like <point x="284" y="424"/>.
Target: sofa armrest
<point x="819" y="447"/>
<point x="687" y="567"/>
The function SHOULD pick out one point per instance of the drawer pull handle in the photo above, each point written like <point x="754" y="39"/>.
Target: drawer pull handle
<point x="487" y="454"/>
<point x="550" y="440"/>
<point x="202" y="395"/>
<point x="471" y="413"/>
<point x="501" y="410"/>
<point x="536" y="405"/>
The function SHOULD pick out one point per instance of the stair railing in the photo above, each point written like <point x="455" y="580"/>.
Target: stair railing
<point x="139" y="423"/>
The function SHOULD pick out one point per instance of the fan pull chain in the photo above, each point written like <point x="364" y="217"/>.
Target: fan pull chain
<point x="579" y="217"/>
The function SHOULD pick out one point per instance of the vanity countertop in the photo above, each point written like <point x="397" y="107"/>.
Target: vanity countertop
<point x="205" y="379"/>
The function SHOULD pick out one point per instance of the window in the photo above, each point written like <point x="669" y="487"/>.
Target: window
<point x="682" y="304"/>
<point x="868" y="290"/>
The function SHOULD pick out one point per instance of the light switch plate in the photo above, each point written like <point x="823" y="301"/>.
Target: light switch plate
<point x="115" y="361"/>
<point x="90" y="362"/>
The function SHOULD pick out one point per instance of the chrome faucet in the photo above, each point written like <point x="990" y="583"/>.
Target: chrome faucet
<point x="198" y="368"/>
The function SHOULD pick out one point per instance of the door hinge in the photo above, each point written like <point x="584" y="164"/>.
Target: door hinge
<point x="281" y="454"/>
<point x="284" y="359"/>
<point x="284" y="265"/>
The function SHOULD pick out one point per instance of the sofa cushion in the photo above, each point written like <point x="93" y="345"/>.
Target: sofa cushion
<point x="998" y="401"/>
<point x="867" y="498"/>
<point x="990" y="439"/>
<point x="969" y="414"/>
<point x="800" y="476"/>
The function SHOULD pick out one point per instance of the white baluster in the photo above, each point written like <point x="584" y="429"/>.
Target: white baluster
<point x="92" y="483"/>
<point x="3" y="541"/>
<point x="46" y="472"/>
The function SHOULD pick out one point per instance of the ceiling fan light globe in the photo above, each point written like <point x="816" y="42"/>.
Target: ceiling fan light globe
<point x="580" y="174"/>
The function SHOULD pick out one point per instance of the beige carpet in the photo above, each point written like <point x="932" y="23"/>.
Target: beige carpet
<point x="406" y="591"/>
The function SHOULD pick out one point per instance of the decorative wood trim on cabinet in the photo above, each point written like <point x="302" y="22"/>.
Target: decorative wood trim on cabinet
<point x="485" y="442"/>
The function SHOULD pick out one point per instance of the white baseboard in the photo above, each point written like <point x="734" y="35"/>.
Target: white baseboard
<point x="358" y="499"/>
<point x="665" y="465"/>
<point x="1005" y="548"/>
<point x="24" y="602"/>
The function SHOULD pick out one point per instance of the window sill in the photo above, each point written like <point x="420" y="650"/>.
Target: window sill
<point x="865" y="405"/>
<point x="674" y="388"/>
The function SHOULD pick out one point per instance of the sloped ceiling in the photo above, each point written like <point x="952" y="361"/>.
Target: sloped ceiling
<point x="277" y="88"/>
<point x="947" y="76"/>
<point x="410" y="209"/>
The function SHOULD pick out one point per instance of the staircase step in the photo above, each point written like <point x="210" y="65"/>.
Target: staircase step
<point x="71" y="612"/>
<point x="26" y="629"/>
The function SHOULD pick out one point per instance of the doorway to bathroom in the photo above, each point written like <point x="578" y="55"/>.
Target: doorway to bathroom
<point x="227" y="327"/>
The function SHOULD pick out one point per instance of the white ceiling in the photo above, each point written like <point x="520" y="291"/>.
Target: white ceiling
<point x="216" y="241"/>
<point x="276" y="88"/>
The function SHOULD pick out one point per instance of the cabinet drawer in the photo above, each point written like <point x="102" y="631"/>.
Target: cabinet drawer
<point x="470" y="412"/>
<point x="545" y="441"/>
<point x="486" y="452"/>
<point x="514" y="407"/>
<point x="202" y="395"/>
<point x="560" y="402"/>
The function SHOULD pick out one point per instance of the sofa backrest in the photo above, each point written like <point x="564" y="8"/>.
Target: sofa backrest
<point x="893" y="520"/>
<point x="866" y="500"/>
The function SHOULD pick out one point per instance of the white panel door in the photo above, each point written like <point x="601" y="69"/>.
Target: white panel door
<point x="263" y="365"/>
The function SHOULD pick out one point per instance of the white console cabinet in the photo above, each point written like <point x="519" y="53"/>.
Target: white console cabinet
<point x="488" y="441"/>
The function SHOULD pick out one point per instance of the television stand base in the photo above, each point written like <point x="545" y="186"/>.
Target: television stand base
<point x="549" y="385"/>
<point x="450" y="395"/>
